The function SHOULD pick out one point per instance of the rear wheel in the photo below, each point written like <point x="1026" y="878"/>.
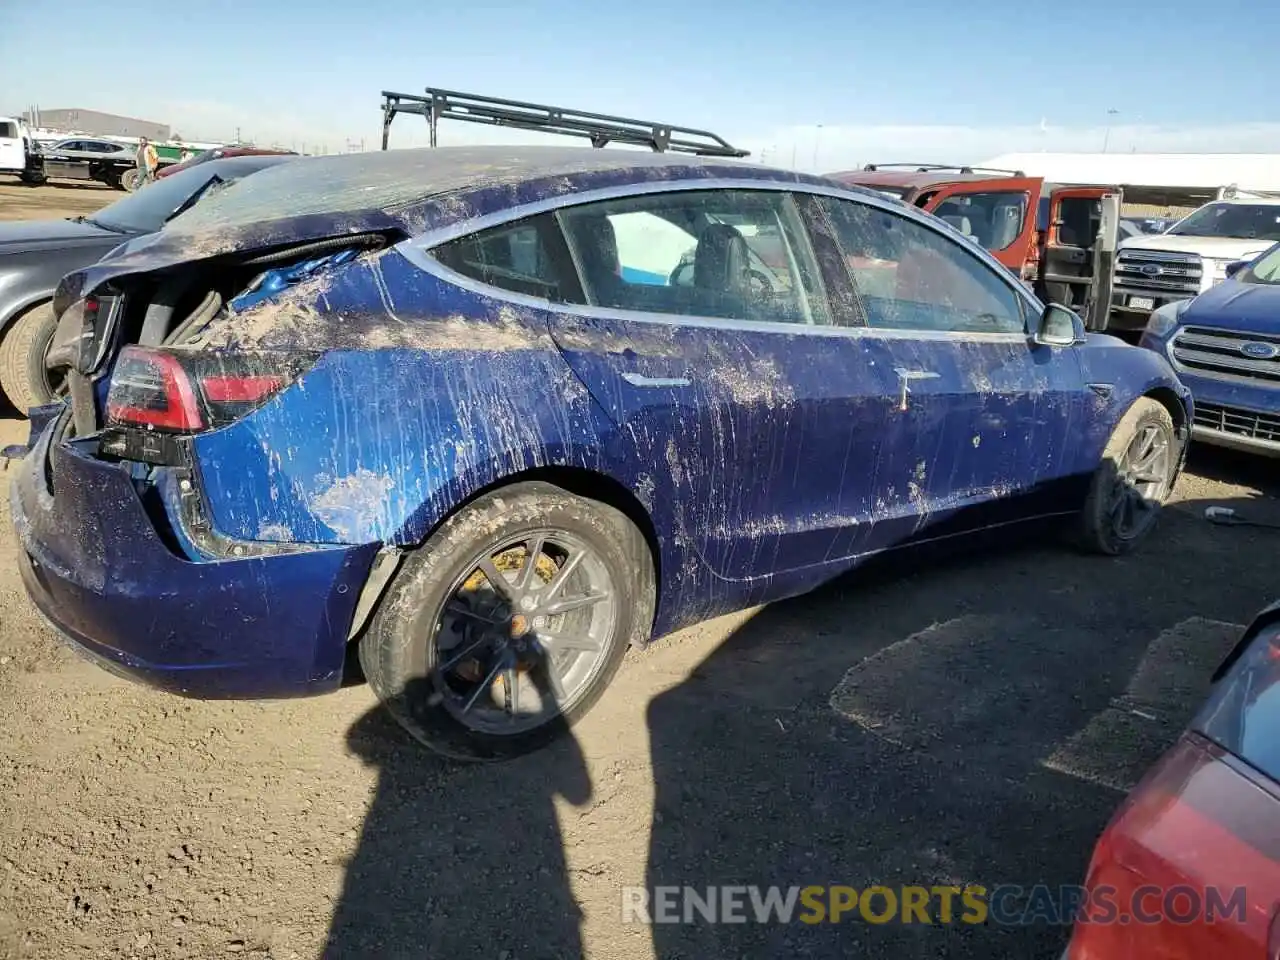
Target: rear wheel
<point x="1136" y="477"/>
<point x="23" y="346"/>
<point x="508" y="625"/>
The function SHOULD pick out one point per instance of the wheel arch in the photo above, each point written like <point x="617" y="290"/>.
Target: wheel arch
<point x="580" y="481"/>
<point x="1170" y="400"/>
<point x="11" y="311"/>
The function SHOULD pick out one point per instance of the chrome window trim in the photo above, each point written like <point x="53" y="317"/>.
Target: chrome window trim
<point x="417" y="251"/>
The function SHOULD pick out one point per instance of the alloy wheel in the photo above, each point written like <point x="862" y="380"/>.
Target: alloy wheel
<point x="523" y="632"/>
<point x="1141" y="484"/>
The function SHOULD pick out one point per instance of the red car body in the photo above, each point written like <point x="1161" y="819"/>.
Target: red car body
<point x="1203" y="825"/>
<point x="217" y="153"/>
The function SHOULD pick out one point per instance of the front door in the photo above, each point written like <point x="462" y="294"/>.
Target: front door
<point x="979" y="428"/>
<point x="997" y="214"/>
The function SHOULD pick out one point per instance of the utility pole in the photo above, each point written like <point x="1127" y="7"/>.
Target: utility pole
<point x="1106" y="138"/>
<point x="817" y="137"/>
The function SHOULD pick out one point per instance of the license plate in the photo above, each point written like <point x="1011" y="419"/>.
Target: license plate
<point x="1142" y="303"/>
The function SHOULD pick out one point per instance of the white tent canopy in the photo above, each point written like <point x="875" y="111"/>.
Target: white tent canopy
<point x="1196" y="175"/>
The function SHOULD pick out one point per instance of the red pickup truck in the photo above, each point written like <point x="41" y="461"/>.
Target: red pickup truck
<point x="1047" y="234"/>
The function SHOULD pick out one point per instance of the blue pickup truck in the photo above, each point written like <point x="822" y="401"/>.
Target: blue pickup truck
<point x="1225" y="345"/>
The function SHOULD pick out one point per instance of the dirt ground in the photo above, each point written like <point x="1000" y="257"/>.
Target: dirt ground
<point x="972" y="720"/>
<point x="54" y="199"/>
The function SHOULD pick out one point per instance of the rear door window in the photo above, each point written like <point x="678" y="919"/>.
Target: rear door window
<point x="1243" y="712"/>
<point x="731" y="254"/>
<point x="522" y="257"/>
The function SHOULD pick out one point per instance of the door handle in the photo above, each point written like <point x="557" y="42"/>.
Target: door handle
<point x="640" y="380"/>
<point x="906" y="376"/>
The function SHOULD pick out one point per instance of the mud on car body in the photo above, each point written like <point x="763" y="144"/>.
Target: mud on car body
<point x="482" y="413"/>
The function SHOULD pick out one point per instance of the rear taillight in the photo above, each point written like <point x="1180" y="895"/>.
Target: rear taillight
<point x="181" y="392"/>
<point x="152" y="389"/>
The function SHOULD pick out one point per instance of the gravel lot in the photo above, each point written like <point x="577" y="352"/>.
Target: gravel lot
<point x="965" y="721"/>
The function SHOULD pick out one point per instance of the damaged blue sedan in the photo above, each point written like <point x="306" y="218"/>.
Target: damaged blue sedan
<point x="496" y="414"/>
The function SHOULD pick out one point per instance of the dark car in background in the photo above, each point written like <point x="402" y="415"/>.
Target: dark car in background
<point x="1189" y="867"/>
<point x="219" y="153"/>
<point x="1225" y="345"/>
<point x="36" y="254"/>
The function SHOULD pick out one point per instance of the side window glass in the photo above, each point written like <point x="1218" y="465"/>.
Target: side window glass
<point x="913" y="278"/>
<point x="994" y="220"/>
<point x="515" y="256"/>
<point x="8" y="131"/>
<point x="740" y="255"/>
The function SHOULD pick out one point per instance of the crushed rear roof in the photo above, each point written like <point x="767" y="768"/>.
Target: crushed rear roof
<point x="347" y="183"/>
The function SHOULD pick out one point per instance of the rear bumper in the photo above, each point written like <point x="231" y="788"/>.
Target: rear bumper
<point x="95" y="566"/>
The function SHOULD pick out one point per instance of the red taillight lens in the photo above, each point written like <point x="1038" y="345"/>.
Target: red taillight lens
<point x="242" y="388"/>
<point x="182" y="392"/>
<point x="152" y="389"/>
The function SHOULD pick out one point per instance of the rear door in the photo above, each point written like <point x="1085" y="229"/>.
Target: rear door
<point x="981" y="428"/>
<point x="13" y="154"/>
<point x="1067" y="261"/>
<point x="998" y="214"/>
<point x="709" y="342"/>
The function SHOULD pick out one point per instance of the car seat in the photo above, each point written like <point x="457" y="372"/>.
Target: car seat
<point x="722" y="270"/>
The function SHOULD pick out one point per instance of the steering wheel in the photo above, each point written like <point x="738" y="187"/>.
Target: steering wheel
<point x="761" y="285"/>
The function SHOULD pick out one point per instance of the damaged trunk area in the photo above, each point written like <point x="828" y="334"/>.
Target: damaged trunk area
<point x="136" y="355"/>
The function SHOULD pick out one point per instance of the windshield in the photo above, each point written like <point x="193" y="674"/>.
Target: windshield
<point x="1247" y="221"/>
<point x="1243" y="713"/>
<point x="1266" y="269"/>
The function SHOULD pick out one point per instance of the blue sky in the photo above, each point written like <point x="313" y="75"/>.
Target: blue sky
<point x="885" y="81"/>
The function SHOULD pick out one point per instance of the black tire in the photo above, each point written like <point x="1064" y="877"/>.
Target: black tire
<point x="401" y="656"/>
<point x="1100" y="527"/>
<point x="23" y="346"/>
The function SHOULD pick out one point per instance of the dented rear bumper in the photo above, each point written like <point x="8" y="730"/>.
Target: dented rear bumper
<point x="96" y="566"/>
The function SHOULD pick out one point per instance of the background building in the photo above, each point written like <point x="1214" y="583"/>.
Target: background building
<point x="76" y="120"/>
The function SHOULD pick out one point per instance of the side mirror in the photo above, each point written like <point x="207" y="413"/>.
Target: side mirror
<point x="1059" y="327"/>
<point x="1235" y="267"/>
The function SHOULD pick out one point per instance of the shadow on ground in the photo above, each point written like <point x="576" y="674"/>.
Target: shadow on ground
<point x="962" y="721"/>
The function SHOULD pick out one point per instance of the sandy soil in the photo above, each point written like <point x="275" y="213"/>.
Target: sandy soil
<point x="973" y="720"/>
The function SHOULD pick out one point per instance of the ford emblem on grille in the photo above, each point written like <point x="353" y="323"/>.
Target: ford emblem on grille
<point x="1259" y="351"/>
<point x="1151" y="269"/>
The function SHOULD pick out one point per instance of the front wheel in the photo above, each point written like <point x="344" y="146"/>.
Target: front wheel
<point x="508" y="625"/>
<point x="1133" y="482"/>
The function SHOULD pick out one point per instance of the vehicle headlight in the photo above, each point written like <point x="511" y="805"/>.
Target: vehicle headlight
<point x="1215" y="269"/>
<point x="1163" y="320"/>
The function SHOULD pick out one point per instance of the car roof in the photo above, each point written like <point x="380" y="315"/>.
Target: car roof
<point x="912" y="180"/>
<point x="403" y="182"/>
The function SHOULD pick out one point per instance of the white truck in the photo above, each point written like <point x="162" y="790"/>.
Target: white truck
<point x="19" y="155"/>
<point x="1190" y="257"/>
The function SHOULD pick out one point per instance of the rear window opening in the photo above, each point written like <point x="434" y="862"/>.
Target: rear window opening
<point x="173" y="307"/>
